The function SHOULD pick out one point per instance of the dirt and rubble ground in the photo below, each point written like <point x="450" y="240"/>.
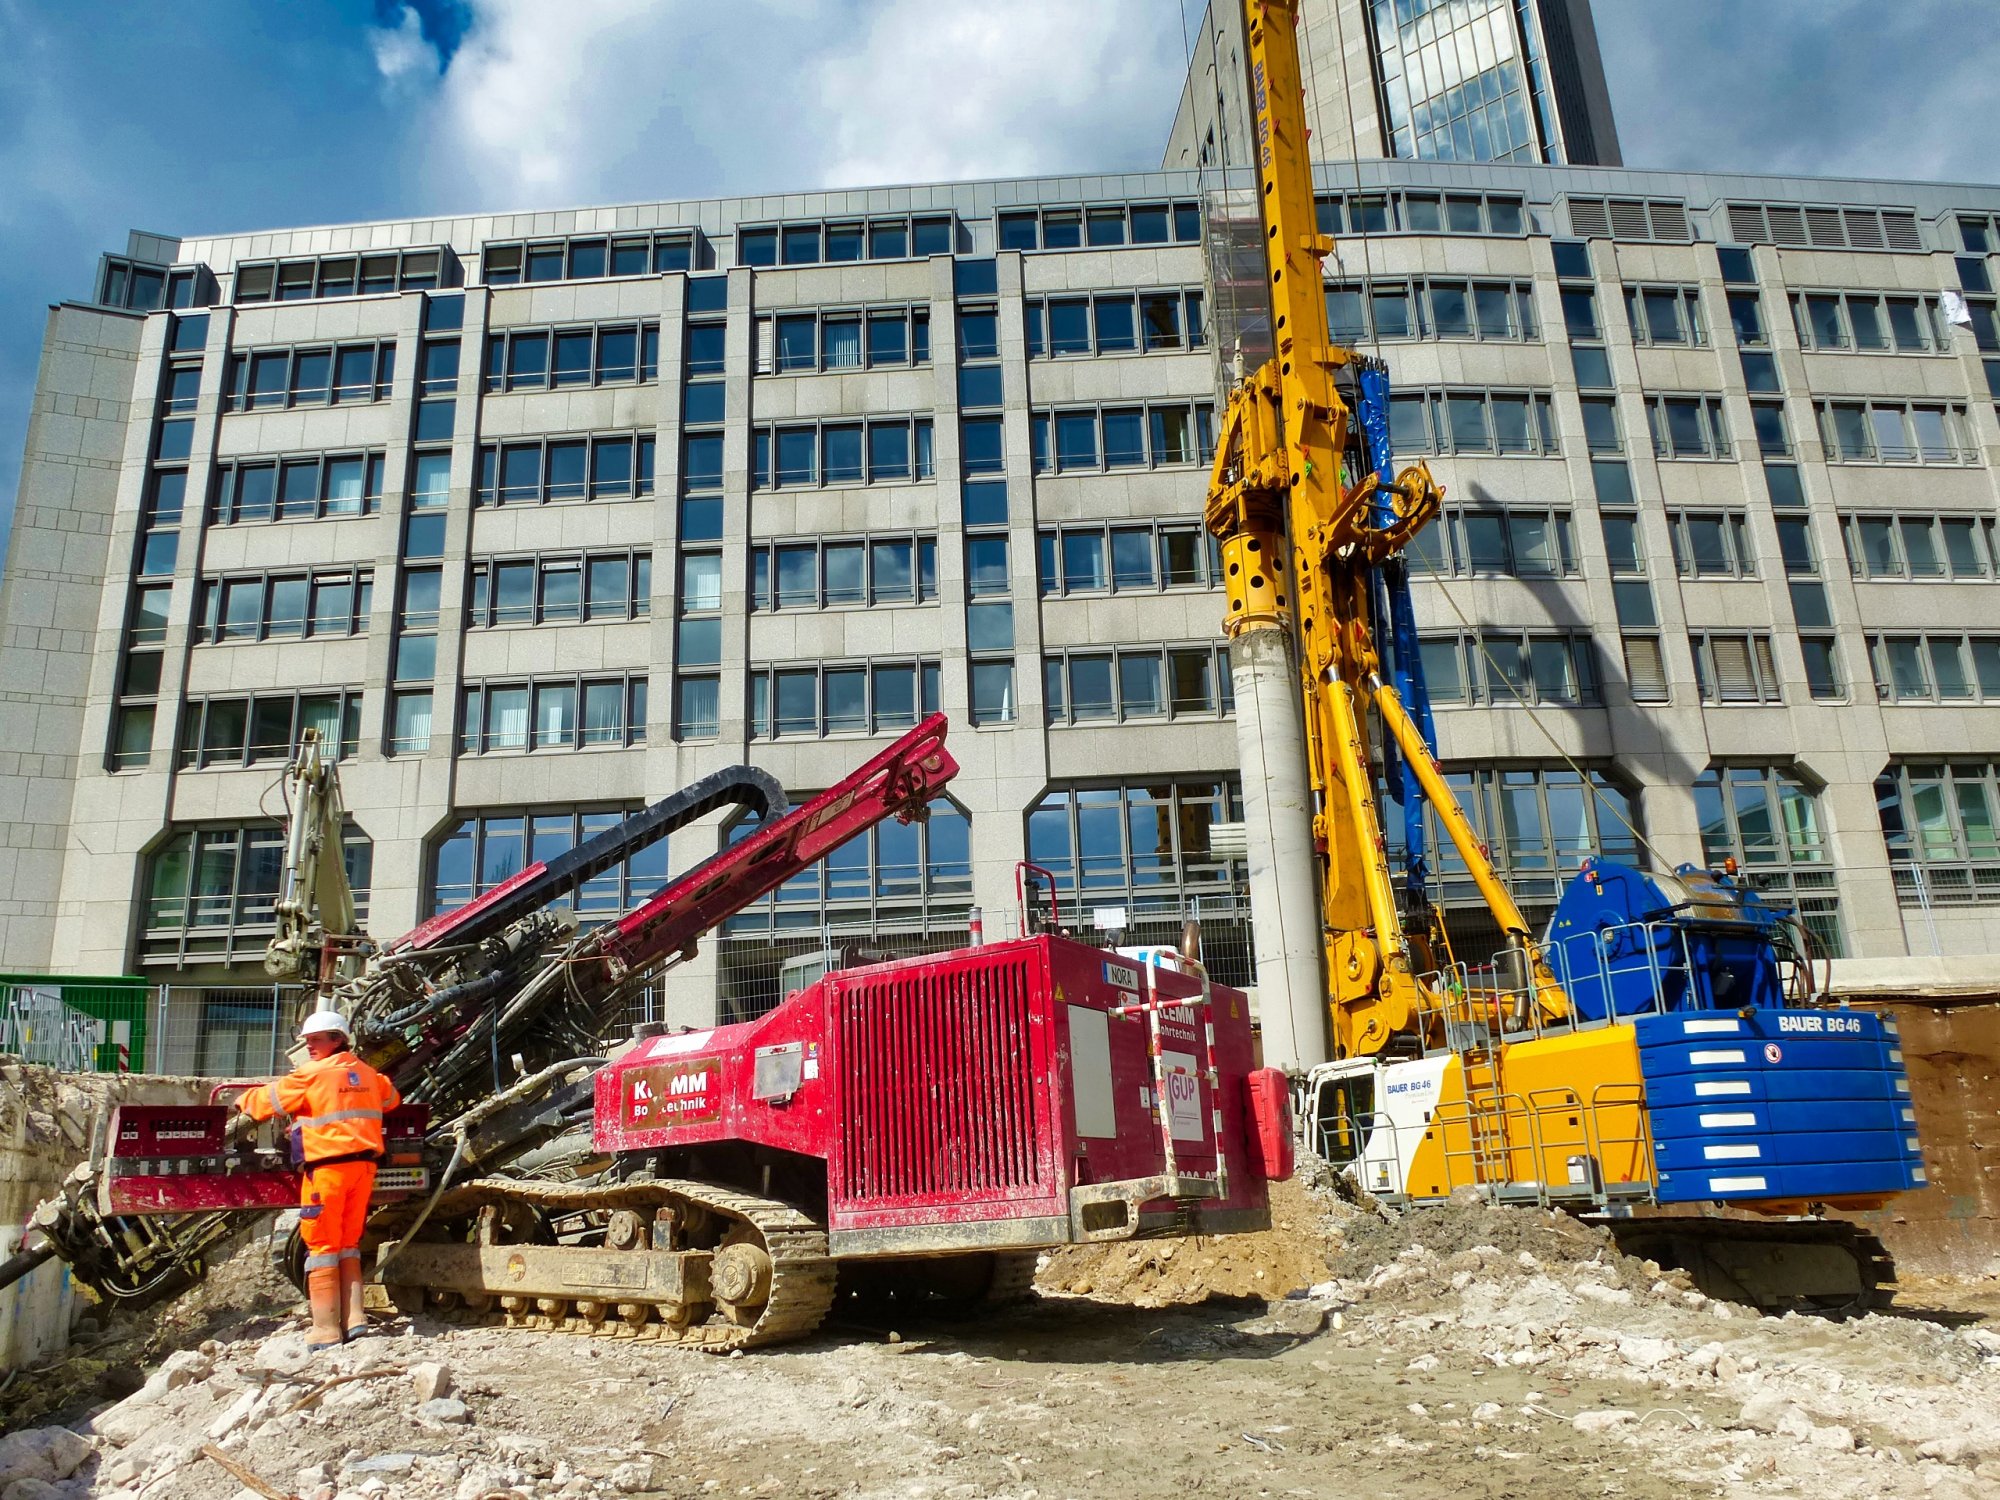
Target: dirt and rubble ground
<point x="1463" y="1351"/>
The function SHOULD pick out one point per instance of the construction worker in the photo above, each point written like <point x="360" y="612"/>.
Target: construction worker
<point x="336" y="1103"/>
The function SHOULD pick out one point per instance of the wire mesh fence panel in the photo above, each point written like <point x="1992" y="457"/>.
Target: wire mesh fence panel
<point x="1223" y="938"/>
<point x="225" y="1031"/>
<point x="77" y="1025"/>
<point x="754" y="972"/>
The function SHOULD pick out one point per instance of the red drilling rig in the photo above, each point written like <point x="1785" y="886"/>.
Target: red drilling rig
<point x="918" y="1129"/>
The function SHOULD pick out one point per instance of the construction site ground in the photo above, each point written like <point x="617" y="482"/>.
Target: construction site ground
<point x="1463" y="1351"/>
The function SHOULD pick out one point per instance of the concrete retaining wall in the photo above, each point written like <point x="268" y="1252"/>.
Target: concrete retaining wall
<point x="47" y="1121"/>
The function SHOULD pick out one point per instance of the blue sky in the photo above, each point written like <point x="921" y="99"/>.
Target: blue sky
<point x="207" y="115"/>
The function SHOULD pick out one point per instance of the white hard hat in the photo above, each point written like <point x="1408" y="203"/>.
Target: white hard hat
<point x="323" y="1021"/>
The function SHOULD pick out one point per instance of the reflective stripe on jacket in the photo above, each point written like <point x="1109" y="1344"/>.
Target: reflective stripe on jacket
<point x="337" y="1102"/>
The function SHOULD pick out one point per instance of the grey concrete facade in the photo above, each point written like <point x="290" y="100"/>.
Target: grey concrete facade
<point x="94" y="809"/>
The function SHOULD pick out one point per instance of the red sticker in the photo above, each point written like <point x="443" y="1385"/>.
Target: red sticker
<point x="676" y="1093"/>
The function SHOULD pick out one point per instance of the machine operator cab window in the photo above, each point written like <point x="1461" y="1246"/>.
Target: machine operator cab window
<point x="1340" y="1112"/>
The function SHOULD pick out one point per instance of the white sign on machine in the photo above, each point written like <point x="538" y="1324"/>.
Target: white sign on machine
<point x="1183" y="1084"/>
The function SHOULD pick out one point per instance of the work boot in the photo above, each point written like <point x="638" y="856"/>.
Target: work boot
<point x="353" y="1316"/>
<point x="323" y="1295"/>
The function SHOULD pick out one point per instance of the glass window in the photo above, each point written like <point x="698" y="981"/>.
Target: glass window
<point x="527" y="360"/>
<point x="989" y="627"/>
<point x="1450" y="315"/>
<point x="888" y="450"/>
<point x="1601" y="427"/>
<point x="1020" y="231"/>
<point x="1962" y="547"/>
<point x="698" y="707"/>
<point x="1346" y="320"/>
<point x="798" y="343"/>
<point x="980" y="385"/>
<point x="1069" y="325"/>
<point x="980" y="445"/>
<point x="888" y="338"/>
<point x="978" y="334"/>
<point x="1392" y="310"/>
<point x="889" y="563"/>
<point x="1866" y="315"/>
<point x="607" y="592"/>
<point x="797" y="454"/>
<point x="840" y="445"/>
<point x="1467" y="417"/>
<point x="1132" y="557"/>
<point x="1076" y="439"/>
<point x="1124" y="438"/>
<point x="555" y="715"/>
<point x="1083" y="560"/>
<point x="1580" y="313"/>
<point x="930" y="237"/>
<point x="1904" y="325"/>
<point x="1139" y="691"/>
<point x="1572" y="259"/>
<point x="797" y="695"/>
<point x="1062" y="230"/>
<point x="986" y="565"/>
<point x="1824" y="323"/>
<point x="1934" y="443"/>
<point x="888" y="239"/>
<point x="802" y="244"/>
<point x="603" y="719"/>
<point x="1117" y="327"/>
<point x="1090" y="690"/>
<point x="1494" y="308"/>
<point x="1161" y="317"/>
<point x="699" y="642"/>
<point x="843" y="565"/>
<point x="1663" y="316"/>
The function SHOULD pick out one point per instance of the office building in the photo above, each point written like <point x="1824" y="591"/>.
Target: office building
<point x="1426" y="80"/>
<point x="542" y="516"/>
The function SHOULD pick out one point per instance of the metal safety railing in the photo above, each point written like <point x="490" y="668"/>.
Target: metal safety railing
<point x="1512" y="997"/>
<point x="38" y="1027"/>
<point x="1603" y="1145"/>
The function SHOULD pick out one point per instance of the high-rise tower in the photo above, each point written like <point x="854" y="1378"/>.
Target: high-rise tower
<point x="1437" y="80"/>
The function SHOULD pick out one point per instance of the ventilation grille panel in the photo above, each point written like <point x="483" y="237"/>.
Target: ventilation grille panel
<point x="937" y="1093"/>
<point x="1824" y="228"/>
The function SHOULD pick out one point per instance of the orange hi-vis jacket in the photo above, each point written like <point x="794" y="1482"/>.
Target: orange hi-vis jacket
<point x="337" y="1104"/>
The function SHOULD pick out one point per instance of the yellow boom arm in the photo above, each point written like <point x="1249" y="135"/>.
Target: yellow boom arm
<point x="1299" y="543"/>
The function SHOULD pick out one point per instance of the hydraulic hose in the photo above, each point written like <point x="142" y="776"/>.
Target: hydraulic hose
<point x="461" y="1130"/>
<point x="21" y="1262"/>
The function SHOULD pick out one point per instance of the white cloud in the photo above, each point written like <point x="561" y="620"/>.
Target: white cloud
<point x="1002" y="88"/>
<point x="539" y="94"/>
<point x="548" y="105"/>
<point x="402" y="53"/>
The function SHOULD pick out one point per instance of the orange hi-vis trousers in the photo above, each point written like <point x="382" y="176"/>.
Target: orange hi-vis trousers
<point x="333" y="1203"/>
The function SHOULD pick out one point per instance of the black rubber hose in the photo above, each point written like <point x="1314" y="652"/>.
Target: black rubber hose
<point x="477" y="988"/>
<point x="21" y="1262"/>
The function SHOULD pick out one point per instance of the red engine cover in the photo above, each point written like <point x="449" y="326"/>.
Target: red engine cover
<point x="949" y="1093"/>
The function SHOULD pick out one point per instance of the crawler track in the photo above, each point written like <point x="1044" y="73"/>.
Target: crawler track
<point x="801" y="1285"/>
<point x="1826" y="1266"/>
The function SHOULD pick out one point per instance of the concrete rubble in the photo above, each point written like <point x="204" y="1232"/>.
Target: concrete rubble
<point x="1463" y="1351"/>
